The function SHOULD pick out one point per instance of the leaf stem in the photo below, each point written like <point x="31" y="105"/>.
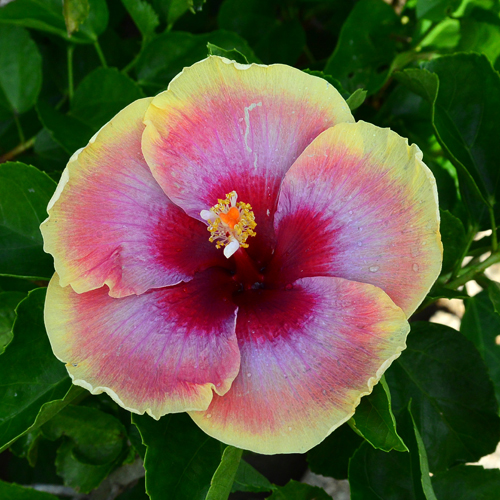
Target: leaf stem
<point x="70" y="50"/>
<point x="131" y="64"/>
<point x="100" y="54"/>
<point x="473" y="271"/>
<point x="18" y="150"/>
<point x="19" y="128"/>
<point x="470" y="238"/>
<point x="424" y="35"/>
<point x="494" y="240"/>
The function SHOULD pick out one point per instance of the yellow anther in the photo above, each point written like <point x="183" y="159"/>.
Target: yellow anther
<point x="230" y="223"/>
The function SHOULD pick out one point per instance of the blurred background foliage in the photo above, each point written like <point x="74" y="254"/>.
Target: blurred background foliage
<point x="426" y="68"/>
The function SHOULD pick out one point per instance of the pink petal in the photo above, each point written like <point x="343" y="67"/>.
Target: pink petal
<point x="111" y="223"/>
<point x="360" y="204"/>
<point x="308" y="353"/>
<point x="165" y="351"/>
<point x="223" y="126"/>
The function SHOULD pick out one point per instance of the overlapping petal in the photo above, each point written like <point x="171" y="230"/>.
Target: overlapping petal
<point x="308" y="353"/>
<point x="360" y="204"/>
<point x="165" y="351"/>
<point x="111" y="223"/>
<point x="222" y="127"/>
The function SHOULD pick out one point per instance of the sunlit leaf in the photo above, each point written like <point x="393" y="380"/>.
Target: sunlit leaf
<point x="375" y="421"/>
<point x="75" y="12"/>
<point x="222" y="481"/>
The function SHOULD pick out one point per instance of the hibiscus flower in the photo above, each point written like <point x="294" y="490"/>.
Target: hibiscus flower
<point x="269" y="327"/>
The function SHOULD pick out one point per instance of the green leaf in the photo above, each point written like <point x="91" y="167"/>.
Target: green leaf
<point x="375" y="422"/>
<point x="26" y="446"/>
<point x="94" y="444"/>
<point x="168" y="54"/>
<point x="252" y="19"/>
<point x="48" y="410"/>
<point x="332" y="81"/>
<point x="494" y="294"/>
<point x="9" y="284"/>
<point x="47" y="15"/>
<point x="284" y="43"/>
<point x="233" y="55"/>
<point x="177" y="8"/>
<point x="8" y="304"/>
<point x="466" y="119"/>
<point x="375" y="475"/>
<point x="274" y="40"/>
<point x="467" y="482"/>
<point x="180" y="457"/>
<point x="441" y="292"/>
<point x="453" y="401"/>
<point x="481" y="325"/>
<point x="427" y="85"/>
<point x="222" y="481"/>
<point x="436" y="10"/>
<point x="420" y="81"/>
<point x="115" y="91"/>
<point x="331" y="456"/>
<point x="96" y="22"/>
<point x="480" y="32"/>
<point x="98" y="437"/>
<point x="76" y="474"/>
<point x="298" y="491"/>
<point x="418" y="455"/>
<point x="30" y="374"/>
<point x="9" y="491"/>
<point x="24" y="195"/>
<point x="144" y="16"/>
<point x="66" y="130"/>
<point x="20" y="68"/>
<point x="357" y="98"/>
<point x="249" y="480"/>
<point x="453" y="238"/>
<point x="441" y="38"/>
<point x="366" y="47"/>
<point x="75" y="12"/>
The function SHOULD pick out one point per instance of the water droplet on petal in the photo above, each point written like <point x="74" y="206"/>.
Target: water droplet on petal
<point x="289" y="286"/>
<point x="374" y="269"/>
<point x="415" y="267"/>
<point x="289" y="428"/>
<point x="359" y="243"/>
<point x="209" y="415"/>
<point x="249" y="374"/>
